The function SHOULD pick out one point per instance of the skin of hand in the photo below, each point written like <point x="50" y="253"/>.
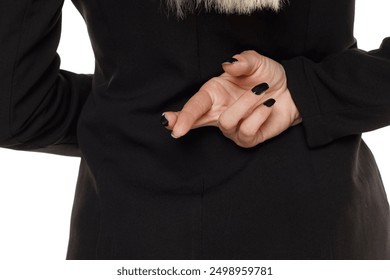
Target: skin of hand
<point x="229" y="102"/>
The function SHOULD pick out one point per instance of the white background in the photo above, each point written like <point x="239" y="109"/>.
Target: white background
<point x="36" y="190"/>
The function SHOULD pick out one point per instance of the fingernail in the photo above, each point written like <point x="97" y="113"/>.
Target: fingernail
<point x="259" y="89"/>
<point x="230" y="61"/>
<point x="173" y="136"/>
<point x="164" y="120"/>
<point x="269" y="102"/>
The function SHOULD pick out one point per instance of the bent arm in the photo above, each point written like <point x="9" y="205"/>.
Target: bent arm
<point x="345" y="94"/>
<point x="39" y="103"/>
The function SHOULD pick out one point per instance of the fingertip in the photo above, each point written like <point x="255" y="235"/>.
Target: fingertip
<point x="163" y="120"/>
<point x="260" y="88"/>
<point x="168" y="119"/>
<point x="174" y="136"/>
<point x="238" y="68"/>
<point x="178" y="132"/>
<point x="230" y="61"/>
<point x="270" y="102"/>
<point x="182" y="125"/>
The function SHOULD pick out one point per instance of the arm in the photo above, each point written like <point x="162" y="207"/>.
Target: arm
<point x="346" y="93"/>
<point x="39" y="103"/>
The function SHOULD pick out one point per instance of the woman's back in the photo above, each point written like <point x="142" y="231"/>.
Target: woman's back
<point x="143" y="195"/>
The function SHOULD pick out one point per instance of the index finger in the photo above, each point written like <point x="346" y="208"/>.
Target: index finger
<point x="193" y="110"/>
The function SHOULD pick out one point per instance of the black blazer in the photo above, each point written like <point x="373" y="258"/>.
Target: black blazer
<point x="312" y="192"/>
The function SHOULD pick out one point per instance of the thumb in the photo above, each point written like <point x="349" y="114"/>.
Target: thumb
<point x="243" y="64"/>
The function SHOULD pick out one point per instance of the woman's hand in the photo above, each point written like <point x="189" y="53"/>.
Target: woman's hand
<point x="249" y="103"/>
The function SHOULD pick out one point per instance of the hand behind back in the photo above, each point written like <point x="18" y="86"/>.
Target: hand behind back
<point x="250" y="102"/>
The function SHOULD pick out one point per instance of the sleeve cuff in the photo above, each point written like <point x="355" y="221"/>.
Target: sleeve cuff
<point x="303" y="94"/>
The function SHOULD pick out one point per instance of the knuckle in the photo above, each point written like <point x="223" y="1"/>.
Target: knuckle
<point x="213" y="83"/>
<point x="247" y="130"/>
<point x="249" y="52"/>
<point x="245" y="145"/>
<point x="187" y="115"/>
<point x="198" y="104"/>
<point x="260" y="137"/>
<point x="225" y="124"/>
<point x="252" y="53"/>
<point x="230" y="136"/>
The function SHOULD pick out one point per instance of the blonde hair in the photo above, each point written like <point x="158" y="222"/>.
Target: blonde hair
<point x="182" y="7"/>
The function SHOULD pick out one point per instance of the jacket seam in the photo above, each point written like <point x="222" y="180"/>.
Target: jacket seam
<point x="198" y="45"/>
<point x="310" y="85"/>
<point x="13" y="72"/>
<point x="305" y="72"/>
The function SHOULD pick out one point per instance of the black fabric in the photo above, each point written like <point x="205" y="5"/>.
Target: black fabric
<point x="40" y="104"/>
<point x="314" y="192"/>
<point x="343" y="94"/>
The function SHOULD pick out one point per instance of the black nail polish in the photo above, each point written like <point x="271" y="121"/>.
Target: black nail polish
<point x="230" y="61"/>
<point x="164" y="120"/>
<point x="269" y="102"/>
<point x="259" y="89"/>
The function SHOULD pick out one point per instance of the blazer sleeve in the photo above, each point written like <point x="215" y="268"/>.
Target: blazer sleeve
<point x="347" y="93"/>
<point x="39" y="103"/>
